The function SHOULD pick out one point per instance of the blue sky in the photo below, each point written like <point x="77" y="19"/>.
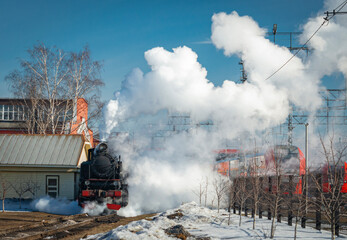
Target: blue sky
<point x="119" y="32"/>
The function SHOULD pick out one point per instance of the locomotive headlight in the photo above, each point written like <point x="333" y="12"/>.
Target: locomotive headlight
<point x="86" y="182"/>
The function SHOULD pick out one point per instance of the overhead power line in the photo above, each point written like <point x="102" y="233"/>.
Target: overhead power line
<point x="329" y="16"/>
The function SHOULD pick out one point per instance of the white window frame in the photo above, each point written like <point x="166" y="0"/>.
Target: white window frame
<point x="17" y="112"/>
<point x="52" y="190"/>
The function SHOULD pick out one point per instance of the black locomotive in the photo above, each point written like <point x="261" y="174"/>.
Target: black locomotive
<point x="102" y="179"/>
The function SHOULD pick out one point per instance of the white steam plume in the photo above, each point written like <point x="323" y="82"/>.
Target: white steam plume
<point x="242" y="36"/>
<point x="177" y="83"/>
<point x="95" y="209"/>
<point x="329" y="53"/>
<point x="162" y="179"/>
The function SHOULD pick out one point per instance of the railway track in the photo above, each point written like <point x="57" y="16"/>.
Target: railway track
<point x="68" y="227"/>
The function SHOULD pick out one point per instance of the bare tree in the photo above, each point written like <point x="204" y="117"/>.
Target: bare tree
<point x="50" y="82"/>
<point x="300" y="212"/>
<point x="255" y="187"/>
<point x="200" y="191"/>
<point x="20" y="188"/>
<point x="206" y="190"/>
<point x="329" y="184"/>
<point x="220" y="185"/>
<point x="231" y="199"/>
<point x="274" y="195"/>
<point x="32" y="187"/>
<point x="84" y="80"/>
<point x="5" y="186"/>
<point x="256" y="165"/>
<point x="212" y="201"/>
<point x="276" y="198"/>
<point x="41" y="82"/>
<point x="242" y="193"/>
<point x="295" y="198"/>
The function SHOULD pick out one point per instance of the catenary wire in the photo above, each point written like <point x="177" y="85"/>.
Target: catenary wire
<point x="326" y="19"/>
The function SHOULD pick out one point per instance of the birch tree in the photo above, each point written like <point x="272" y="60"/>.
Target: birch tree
<point x="242" y="193"/>
<point x="5" y="186"/>
<point x="220" y="186"/>
<point x="274" y="195"/>
<point x="332" y="179"/>
<point x="200" y="191"/>
<point x="255" y="187"/>
<point x="50" y="81"/>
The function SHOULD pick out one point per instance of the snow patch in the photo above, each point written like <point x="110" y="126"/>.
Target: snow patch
<point x="204" y="222"/>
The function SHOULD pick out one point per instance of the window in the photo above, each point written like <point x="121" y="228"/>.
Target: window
<point x="52" y="186"/>
<point x="5" y="112"/>
<point x="12" y="113"/>
<point x="64" y="115"/>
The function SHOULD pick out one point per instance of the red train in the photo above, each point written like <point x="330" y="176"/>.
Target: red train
<point x="284" y="160"/>
<point x="344" y="186"/>
<point x="228" y="162"/>
<point x="329" y="171"/>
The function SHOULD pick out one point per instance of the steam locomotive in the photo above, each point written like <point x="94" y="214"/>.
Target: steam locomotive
<point x="102" y="179"/>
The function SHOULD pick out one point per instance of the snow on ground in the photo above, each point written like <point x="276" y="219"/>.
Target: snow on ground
<point x="203" y="222"/>
<point x="198" y="221"/>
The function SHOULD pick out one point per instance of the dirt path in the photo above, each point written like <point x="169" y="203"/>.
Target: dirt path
<point x="37" y="225"/>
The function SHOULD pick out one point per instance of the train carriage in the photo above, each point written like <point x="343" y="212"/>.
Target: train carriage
<point x="284" y="160"/>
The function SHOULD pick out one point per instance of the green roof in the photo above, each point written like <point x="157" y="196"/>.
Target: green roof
<point x="40" y="150"/>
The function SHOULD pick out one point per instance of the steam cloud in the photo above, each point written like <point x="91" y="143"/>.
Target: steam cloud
<point x="55" y="206"/>
<point x="177" y="83"/>
<point x="66" y="207"/>
<point x="94" y="208"/>
<point x="330" y="52"/>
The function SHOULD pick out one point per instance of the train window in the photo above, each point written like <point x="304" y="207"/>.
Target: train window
<point x="287" y="154"/>
<point x="52" y="186"/>
<point x="227" y="156"/>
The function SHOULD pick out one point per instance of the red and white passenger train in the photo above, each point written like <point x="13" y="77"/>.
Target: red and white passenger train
<point x="284" y="160"/>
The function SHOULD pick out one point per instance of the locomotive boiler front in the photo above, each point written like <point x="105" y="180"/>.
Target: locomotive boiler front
<point x="102" y="179"/>
<point x="103" y="165"/>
